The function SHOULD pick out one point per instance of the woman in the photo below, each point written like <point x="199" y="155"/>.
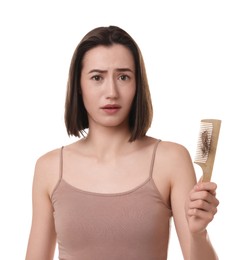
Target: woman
<point x="111" y="194"/>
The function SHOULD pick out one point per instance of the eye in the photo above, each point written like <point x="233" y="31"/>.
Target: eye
<point x="96" y="77"/>
<point x="124" y="77"/>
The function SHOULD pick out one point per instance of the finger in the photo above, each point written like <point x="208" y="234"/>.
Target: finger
<point x="208" y="186"/>
<point x="200" y="204"/>
<point x="203" y="205"/>
<point x="202" y="195"/>
<point x="205" y="215"/>
<point x="200" y="180"/>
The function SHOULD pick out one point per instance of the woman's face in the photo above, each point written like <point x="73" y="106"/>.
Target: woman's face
<point x="108" y="85"/>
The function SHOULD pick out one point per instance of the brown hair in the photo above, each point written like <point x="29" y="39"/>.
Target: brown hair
<point x="140" y="116"/>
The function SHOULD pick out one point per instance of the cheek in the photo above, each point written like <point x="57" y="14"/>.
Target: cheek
<point x="131" y="94"/>
<point x="87" y="93"/>
<point x="87" y="100"/>
<point x="90" y="100"/>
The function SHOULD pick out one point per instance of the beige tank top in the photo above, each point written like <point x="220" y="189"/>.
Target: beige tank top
<point x="131" y="225"/>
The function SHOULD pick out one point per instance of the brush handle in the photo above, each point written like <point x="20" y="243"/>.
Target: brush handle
<point x="207" y="171"/>
<point x="206" y="176"/>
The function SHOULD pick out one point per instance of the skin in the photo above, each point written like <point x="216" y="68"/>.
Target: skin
<point x="108" y="77"/>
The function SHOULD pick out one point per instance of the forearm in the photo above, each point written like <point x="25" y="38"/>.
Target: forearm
<point x="201" y="247"/>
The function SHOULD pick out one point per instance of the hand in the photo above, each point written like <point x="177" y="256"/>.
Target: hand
<point x="201" y="206"/>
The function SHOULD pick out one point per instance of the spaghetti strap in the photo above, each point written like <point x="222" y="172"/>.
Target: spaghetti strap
<point x="153" y="157"/>
<point x="60" y="172"/>
<point x="61" y="164"/>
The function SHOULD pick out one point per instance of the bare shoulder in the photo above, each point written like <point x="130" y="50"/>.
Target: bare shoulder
<point x="47" y="170"/>
<point x="172" y="147"/>
<point x="170" y="150"/>
<point x="175" y="160"/>
<point x="48" y="160"/>
<point x="172" y="168"/>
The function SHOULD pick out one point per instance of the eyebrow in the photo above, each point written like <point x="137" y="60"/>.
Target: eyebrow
<point x="104" y="71"/>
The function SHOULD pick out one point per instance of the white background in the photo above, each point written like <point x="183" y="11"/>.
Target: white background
<point x="191" y="52"/>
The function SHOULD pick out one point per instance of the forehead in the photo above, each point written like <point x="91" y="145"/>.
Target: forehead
<point x="116" y="55"/>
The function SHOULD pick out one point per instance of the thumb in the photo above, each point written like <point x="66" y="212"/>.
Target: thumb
<point x="200" y="180"/>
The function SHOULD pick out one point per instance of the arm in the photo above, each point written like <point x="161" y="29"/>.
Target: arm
<point x="42" y="237"/>
<point x="193" y="205"/>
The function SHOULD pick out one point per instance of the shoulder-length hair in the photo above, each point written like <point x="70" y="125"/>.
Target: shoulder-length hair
<point x="76" y="118"/>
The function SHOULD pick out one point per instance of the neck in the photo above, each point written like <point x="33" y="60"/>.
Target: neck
<point x="108" y="142"/>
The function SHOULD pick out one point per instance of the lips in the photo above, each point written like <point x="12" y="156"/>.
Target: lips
<point x="111" y="108"/>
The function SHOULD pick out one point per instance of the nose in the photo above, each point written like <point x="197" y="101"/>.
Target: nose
<point x="111" y="89"/>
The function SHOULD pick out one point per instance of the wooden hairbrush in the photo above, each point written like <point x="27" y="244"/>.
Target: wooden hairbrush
<point x="207" y="146"/>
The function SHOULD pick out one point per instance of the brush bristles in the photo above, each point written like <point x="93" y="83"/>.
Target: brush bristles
<point x="204" y="142"/>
